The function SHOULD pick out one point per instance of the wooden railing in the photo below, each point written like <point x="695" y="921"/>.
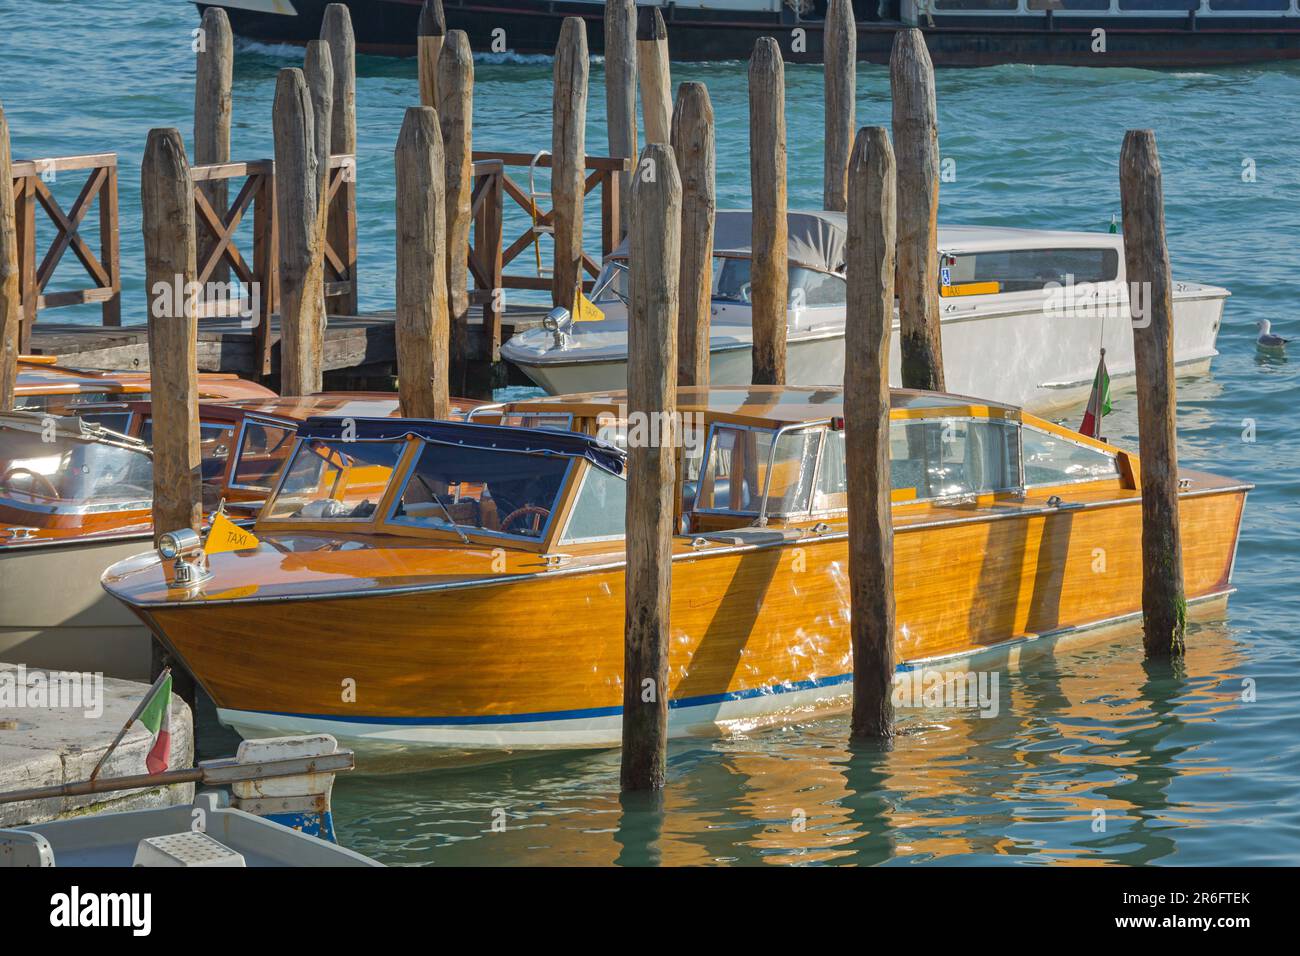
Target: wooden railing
<point x="31" y="190"/>
<point x="489" y="253"/>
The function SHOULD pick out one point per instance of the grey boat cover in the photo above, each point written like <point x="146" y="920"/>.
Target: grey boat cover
<point x="817" y="238"/>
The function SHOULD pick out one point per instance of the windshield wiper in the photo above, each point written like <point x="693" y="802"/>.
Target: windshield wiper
<point x="445" y="510"/>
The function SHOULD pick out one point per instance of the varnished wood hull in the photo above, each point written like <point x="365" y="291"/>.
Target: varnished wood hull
<point x="758" y="631"/>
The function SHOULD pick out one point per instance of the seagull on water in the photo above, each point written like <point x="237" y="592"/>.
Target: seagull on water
<point x="1267" y="340"/>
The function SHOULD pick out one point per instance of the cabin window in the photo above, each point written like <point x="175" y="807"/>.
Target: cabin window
<point x="550" y="421"/>
<point x="263" y="448"/>
<point x="115" y="421"/>
<point x="1182" y="5"/>
<point x="599" y="511"/>
<point x="953" y="457"/>
<point x="1055" y="460"/>
<point x="810" y="289"/>
<point x="976" y="5"/>
<point x="1249" y="6"/>
<point x="65" y="404"/>
<point x="215" y="443"/>
<point x="482" y="490"/>
<point x="1058" y="5"/>
<point x="741" y="461"/>
<point x="1030" y="270"/>
<point x="336" y="480"/>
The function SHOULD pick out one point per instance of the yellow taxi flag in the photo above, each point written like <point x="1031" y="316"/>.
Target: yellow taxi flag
<point x="584" y="310"/>
<point x="225" y="535"/>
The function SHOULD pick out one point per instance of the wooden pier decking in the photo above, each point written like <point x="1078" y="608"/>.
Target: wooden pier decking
<point x="363" y="345"/>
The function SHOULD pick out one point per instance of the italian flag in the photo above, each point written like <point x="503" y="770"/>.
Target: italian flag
<point x="156" y="715"/>
<point x="1098" y="401"/>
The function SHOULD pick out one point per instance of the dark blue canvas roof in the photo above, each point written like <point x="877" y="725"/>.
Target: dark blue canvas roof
<point x="528" y="441"/>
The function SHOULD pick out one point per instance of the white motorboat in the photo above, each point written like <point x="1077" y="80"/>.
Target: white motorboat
<point x="1023" y="312"/>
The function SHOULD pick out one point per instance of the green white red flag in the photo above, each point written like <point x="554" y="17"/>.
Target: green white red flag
<point x="156" y="715"/>
<point x="1098" y="401"/>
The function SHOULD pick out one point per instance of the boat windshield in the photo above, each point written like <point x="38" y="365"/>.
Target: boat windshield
<point x="63" y="472"/>
<point x="482" y="490"/>
<point x="336" y="480"/>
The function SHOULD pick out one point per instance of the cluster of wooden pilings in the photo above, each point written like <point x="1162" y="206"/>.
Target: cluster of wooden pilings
<point x="889" y="192"/>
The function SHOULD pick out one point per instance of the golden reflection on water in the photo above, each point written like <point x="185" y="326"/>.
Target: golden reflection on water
<point x="1086" y="730"/>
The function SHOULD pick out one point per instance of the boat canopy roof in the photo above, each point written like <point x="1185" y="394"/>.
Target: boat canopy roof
<point x="527" y="441"/>
<point x="817" y="238"/>
<point x="760" y="405"/>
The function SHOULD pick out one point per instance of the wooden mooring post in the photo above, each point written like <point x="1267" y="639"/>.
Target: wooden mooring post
<point x="620" y="93"/>
<point x="840" y="54"/>
<point x="568" y="162"/>
<point x="767" y="179"/>
<point x="11" y="306"/>
<point x="318" y="70"/>
<point x="213" y="78"/>
<point x="421" y="327"/>
<point x="868" y="320"/>
<point x="655" y="75"/>
<point x="916" y="141"/>
<point x="652" y="367"/>
<point x="341" y="230"/>
<point x="301" y="271"/>
<point x="431" y="31"/>
<point x="693" y="148"/>
<point x="456" y="116"/>
<point x="1146" y="261"/>
<point x="167" y="213"/>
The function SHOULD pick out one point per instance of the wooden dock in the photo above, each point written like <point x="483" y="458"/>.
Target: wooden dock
<point x="363" y="346"/>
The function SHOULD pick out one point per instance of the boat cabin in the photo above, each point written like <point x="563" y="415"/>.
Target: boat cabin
<point x="547" y="475"/>
<point x="72" y="476"/>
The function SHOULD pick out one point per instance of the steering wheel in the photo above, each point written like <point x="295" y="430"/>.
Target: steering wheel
<point x="34" y="476"/>
<point x="538" y="513"/>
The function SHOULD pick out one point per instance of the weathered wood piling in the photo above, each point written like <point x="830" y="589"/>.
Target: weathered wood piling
<point x="431" y="31"/>
<point x="301" y="270"/>
<point x="655" y="75"/>
<point x="456" y="116"/>
<point x="568" y="157"/>
<point x="916" y="142"/>
<point x="341" y="230"/>
<point x="167" y="213"/>
<point x="767" y="185"/>
<point x="620" y="92"/>
<point x="840" y="55"/>
<point x="1146" y="261"/>
<point x="11" y="307"/>
<point x="421" y="266"/>
<point x="872" y="207"/>
<point x="213" y="79"/>
<point x="655" y="250"/>
<point x="694" y="150"/>
<point x="318" y="70"/>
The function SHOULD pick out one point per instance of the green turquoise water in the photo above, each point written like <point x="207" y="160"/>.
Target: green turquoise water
<point x="1185" y="770"/>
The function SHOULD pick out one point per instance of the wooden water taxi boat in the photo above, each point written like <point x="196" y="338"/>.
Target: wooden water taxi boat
<point x="466" y="579"/>
<point x="47" y="387"/>
<point x="74" y="504"/>
<point x="1023" y="314"/>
